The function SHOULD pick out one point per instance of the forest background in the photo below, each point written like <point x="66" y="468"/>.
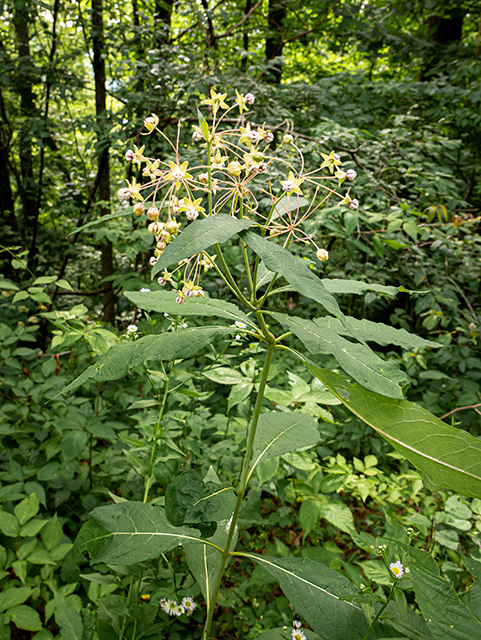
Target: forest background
<point x="394" y="87"/>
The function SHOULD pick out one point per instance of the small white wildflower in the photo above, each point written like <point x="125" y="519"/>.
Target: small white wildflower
<point x="237" y="337"/>
<point x="397" y="569"/>
<point x="189" y="605"/>
<point x="240" y="325"/>
<point x="144" y="290"/>
<point x="166" y="315"/>
<point x="249" y="98"/>
<point x="132" y="328"/>
<point x="170" y="607"/>
<point x="185" y="325"/>
<point x="298" y="635"/>
<point x="179" y="610"/>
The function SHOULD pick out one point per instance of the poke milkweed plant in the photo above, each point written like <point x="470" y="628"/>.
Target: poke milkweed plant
<point x="193" y="211"/>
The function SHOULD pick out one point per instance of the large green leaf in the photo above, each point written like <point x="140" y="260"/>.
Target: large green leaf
<point x="68" y="619"/>
<point x="356" y="359"/>
<point x="199" y="236"/>
<point x="293" y="269"/>
<point x="164" y="302"/>
<point x="204" y="561"/>
<point x="376" y="332"/>
<point x="280" y="433"/>
<point x="282" y="633"/>
<point x="110" y="216"/>
<point x="165" y="346"/>
<point x="448" y="617"/>
<point x="314" y="591"/>
<point x="130" y="532"/>
<point x="341" y="286"/>
<point x="447" y="458"/>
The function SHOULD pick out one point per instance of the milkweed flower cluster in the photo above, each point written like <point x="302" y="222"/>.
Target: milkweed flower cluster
<point x="231" y="180"/>
<point x="174" y="608"/>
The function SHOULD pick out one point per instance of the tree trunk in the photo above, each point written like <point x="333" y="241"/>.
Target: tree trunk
<point x="274" y="40"/>
<point x="243" y="67"/>
<point x="162" y="20"/>
<point x="24" y="82"/>
<point x="99" y="51"/>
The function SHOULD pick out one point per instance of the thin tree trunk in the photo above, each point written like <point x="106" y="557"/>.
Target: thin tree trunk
<point x="442" y="31"/>
<point x="274" y="40"/>
<point x="162" y="21"/>
<point x="248" y="7"/>
<point x="99" y="51"/>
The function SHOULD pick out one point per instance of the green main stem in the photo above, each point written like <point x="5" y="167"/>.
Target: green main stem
<point x="240" y="490"/>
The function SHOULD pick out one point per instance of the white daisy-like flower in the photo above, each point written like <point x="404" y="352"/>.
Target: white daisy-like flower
<point x="298" y="635"/>
<point x="179" y="610"/>
<point x="240" y="325"/>
<point x="185" y="325"/>
<point x="171" y="607"/>
<point x="132" y="328"/>
<point x="144" y="290"/>
<point x="397" y="569"/>
<point x="189" y="605"/>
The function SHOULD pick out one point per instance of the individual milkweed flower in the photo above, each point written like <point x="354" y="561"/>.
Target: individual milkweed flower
<point x="134" y="188"/>
<point x="331" y="161"/>
<point x="177" y="173"/>
<point x="139" y="208"/>
<point x="129" y="155"/>
<point x="216" y="100"/>
<point x="241" y="101"/>
<point x="197" y="136"/>
<point x="248" y="136"/>
<point x="354" y="204"/>
<point x="189" y="605"/>
<point x="322" y="255"/>
<point x="287" y="139"/>
<point x="152" y="260"/>
<point x="152" y="169"/>
<point x="151" y="122"/>
<point x="291" y="185"/>
<point x="296" y="624"/>
<point x="397" y="569"/>
<point x="218" y="161"/>
<point x="132" y="328"/>
<point x="249" y="98"/>
<point x="191" y="208"/>
<point x="269" y="137"/>
<point x="179" y="299"/>
<point x="351" y="174"/>
<point x="124" y="194"/>
<point x="138" y="157"/>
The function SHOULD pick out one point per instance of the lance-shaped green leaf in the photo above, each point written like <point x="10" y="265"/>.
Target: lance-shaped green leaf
<point x="341" y="286"/>
<point x="171" y="345"/>
<point x="164" y="302"/>
<point x="447" y="458"/>
<point x="448" y="617"/>
<point x="204" y="561"/>
<point x="356" y="359"/>
<point x="130" y="532"/>
<point x="376" y="332"/>
<point x="472" y="597"/>
<point x="199" y="236"/>
<point x="280" y="433"/>
<point x="314" y="591"/>
<point x="293" y="269"/>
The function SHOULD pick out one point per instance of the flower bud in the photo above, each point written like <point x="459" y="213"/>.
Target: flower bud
<point x="197" y="137"/>
<point x="161" y="281"/>
<point x="179" y="299"/>
<point x="322" y="255"/>
<point x="269" y="137"/>
<point x="234" y="168"/>
<point x="351" y="174"/>
<point x="124" y="193"/>
<point x="354" y="204"/>
<point x="249" y="98"/>
<point x="287" y="139"/>
<point x="263" y="166"/>
<point x="153" y="214"/>
<point x="161" y="245"/>
<point x="139" y="208"/>
<point x="151" y="122"/>
<point x="172" y="227"/>
<point x="129" y="155"/>
<point x="152" y="260"/>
